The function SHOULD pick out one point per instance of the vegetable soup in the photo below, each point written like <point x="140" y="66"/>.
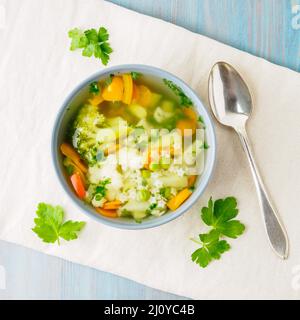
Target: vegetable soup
<point x="135" y="147"/>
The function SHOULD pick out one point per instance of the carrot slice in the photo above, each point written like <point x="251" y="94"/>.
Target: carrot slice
<point x="114" y="91"/>
<point x="76" y="169"/>
<point x="191" y="180"/>
<point x="78" y="185"/>
<point x="128" y="88"/>
<point x="176" y="201"/>
<point x="112" y="205"/>
<point x="187" y="127"/>
<point x="135" y="92"/>
<point x="107" y="213"/>
<point x="68" y="151"/>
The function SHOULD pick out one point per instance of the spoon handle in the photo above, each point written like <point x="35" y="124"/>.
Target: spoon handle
<point x="275" y="230"/>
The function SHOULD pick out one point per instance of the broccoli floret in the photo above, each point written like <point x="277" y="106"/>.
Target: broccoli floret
<point x="89" y="117"/>
<point x="85" y="127"/>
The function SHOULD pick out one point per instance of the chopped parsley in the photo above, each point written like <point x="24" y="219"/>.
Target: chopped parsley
<point x="184" y="99"/>
<point x="135" y="75"/>
<point x="94" y="88"/>
<point x="151" y="207"/>
<point x="101" y="187"/>
<point x="204" y="145"/>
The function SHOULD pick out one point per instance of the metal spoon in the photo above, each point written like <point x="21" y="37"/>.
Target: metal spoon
<point x="231" y="104"/>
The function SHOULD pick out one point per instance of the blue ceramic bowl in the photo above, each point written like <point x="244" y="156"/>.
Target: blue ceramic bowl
<point x="70" y="108"/>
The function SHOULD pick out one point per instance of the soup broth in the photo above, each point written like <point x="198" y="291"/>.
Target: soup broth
<point x="135" y="148"/>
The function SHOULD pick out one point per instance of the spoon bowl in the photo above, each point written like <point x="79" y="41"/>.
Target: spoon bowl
<point x="229" y="96"/>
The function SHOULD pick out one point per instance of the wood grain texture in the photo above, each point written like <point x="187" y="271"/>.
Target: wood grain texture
<point x="261" y="27"/>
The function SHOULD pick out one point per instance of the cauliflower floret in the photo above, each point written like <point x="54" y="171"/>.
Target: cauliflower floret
<point x="123" y="197"/>
<point x="130" y="159"/>
<point x="98" y="202"/>
<point x="106" y="170"/>
<point x="132" y="194"/>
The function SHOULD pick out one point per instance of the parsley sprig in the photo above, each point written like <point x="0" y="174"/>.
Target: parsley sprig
<point x="92" y="42"/>
<point x="49" y="225"/>
<point x="184" y="99"/>
<point x="219" y="216"/>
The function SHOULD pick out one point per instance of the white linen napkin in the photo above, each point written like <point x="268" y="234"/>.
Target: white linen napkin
<point x="37" y="71"/>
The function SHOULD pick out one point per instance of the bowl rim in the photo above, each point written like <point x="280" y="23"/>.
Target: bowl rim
<point x="198" y="105"/>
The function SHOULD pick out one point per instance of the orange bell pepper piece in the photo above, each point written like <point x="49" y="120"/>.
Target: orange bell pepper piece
<point x="145" y="94"/>
<point x="107" y="213"/>
<point x="68" y="151"/>
<point x="112" y="205"/>
<point x="176" y="201"/>
<point x="114" y="91"/>
<point x="128" y="88"/>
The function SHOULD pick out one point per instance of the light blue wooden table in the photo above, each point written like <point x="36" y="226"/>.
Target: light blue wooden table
<point x="267" y="28"/>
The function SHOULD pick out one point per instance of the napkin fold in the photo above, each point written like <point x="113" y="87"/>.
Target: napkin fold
<point x="37" y="71"/>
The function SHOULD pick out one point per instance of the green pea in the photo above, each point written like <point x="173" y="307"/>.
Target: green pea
<point x="165" y="163"/>
<point x="143" y="195"/>
<point x="154" y="166"/>
<point x="165" y="192"/>
<point x="146" y="174"/>
<point x="98" y="197"/>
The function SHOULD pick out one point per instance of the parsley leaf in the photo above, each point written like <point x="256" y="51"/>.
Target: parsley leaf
<point x="69" y="229"/>
<point x="79" y="39"/>
<point x="92" y="42"/>
<point x="212" y="248"/>
<point x="218" y="215"/>
<point x="184" y="99"/>
<point x="49" y="224"/>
